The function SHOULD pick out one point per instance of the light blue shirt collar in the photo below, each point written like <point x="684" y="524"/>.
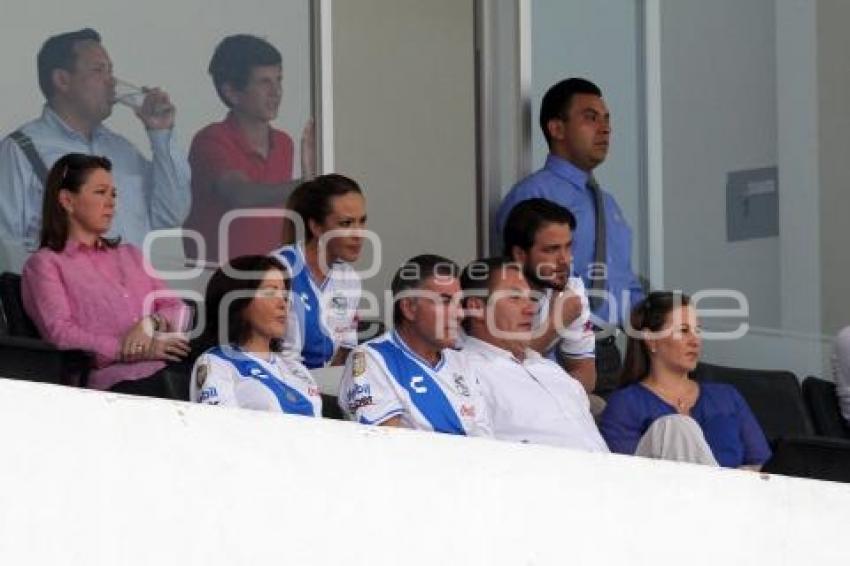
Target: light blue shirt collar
<point x="52" y="119"/>
<point x="563" y="168"/>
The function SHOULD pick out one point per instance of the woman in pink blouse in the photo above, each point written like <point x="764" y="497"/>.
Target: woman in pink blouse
<point x="89" y="292"/>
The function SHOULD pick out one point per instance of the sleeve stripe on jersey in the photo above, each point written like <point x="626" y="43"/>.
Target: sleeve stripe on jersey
<point x="379" y="420"/>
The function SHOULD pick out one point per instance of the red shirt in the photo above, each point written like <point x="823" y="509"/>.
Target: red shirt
<point x="217" y="149"/>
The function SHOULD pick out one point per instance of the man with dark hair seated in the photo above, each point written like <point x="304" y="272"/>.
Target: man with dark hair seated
<point x="75" y="76"/>
<point x="412" y="377"/>
<point x="530" y="398"/>
<point x="243" y="161"/>
<point x="539" y="236"/>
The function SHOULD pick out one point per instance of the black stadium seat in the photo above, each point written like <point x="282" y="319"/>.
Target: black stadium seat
<point x="814" y="457"/>
<point x="823" y="405"/>
<point x="369" y="328"/>
<point x="330" y="408"/>
<point x="775" y="398"/>
<point x="17" y="321"/>
<point x="23" y="354"/>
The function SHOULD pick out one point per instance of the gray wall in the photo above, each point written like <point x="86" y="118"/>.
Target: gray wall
<point x="504" y="110"/>
<point x="597" y="40"/>
<point x="404" y="107"/>
<point x="785" y="83"/>
<point x="799" y="172"/>
<point x="834" y="125"/>
<point x="719" y="115"/>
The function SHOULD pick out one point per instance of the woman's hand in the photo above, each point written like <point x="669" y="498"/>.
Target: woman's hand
<point x="146" y="341"/>
<point x="171" y="347"/>
<point x="137" y="342"/>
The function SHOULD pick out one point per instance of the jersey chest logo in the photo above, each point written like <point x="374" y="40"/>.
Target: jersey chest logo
<point x="339" y="305"/>
<point x="305" y="300"/>
<point x="416" y="384"/>
<point x="460" y="385"/>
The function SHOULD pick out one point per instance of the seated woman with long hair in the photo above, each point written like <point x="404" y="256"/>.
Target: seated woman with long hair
<point x="246" y="308"/>
<point x="86" y="291"/>
<point x="660" y="412"/>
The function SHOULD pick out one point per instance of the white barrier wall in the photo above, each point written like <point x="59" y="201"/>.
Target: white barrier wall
<point x="91" y="478"/>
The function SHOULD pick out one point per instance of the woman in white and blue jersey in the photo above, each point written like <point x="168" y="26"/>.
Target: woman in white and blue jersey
<point x="322" y="328"/>
<point x="246" y="311"/>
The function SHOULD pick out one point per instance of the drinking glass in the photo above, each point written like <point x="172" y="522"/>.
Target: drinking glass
<point x="133" y="97"/>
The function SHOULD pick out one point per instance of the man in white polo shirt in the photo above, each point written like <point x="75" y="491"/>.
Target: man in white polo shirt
<point x="412" y="376"/>
<point x="529" y="398"/>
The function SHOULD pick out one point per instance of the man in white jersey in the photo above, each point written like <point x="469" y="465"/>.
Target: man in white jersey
<point x="412" y="376"/>
<point x="531" y="399"/>
<point x="539" y="236"/>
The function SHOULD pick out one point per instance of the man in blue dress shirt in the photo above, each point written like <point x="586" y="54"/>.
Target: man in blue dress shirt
<point x="75" y="76"/>
<point x="576" y="123"/>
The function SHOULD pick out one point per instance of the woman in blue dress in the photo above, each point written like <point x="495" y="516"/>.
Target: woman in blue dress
<point x="660" y="412"/>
